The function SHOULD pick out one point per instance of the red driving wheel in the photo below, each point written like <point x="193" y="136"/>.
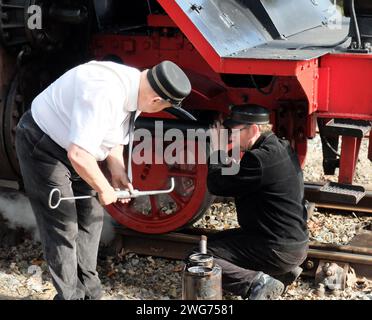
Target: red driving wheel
<point x="168" y="212"/>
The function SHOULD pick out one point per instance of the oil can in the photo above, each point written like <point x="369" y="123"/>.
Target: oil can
<point x="202" y="277"/>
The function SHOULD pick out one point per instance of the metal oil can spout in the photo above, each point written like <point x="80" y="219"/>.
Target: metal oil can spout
<point x="203" y="245"/>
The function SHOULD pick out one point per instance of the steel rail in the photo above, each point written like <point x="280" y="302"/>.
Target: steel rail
<point x="340" y="256"/>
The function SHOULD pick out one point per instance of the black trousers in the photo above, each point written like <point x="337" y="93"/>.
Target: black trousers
<point x="242" y="260"/>
<point x="69" y="234"/>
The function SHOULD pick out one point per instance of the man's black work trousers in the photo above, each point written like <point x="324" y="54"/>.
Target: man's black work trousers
<point x="69" y="234"/>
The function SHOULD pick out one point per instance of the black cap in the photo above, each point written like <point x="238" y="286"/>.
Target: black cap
<point x="169" y="82"/>
<point x="247" y="114"/>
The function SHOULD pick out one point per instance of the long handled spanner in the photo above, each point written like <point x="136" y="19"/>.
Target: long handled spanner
<point x="122" y="194"/>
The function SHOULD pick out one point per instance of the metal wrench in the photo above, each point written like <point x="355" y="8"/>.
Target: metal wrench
<point x="122" y="194"/>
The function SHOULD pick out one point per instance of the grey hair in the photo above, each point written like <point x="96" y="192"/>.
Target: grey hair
<point x="265" y="127"/>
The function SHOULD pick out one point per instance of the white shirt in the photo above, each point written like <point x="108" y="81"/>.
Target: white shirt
<point x="89" y="106"/>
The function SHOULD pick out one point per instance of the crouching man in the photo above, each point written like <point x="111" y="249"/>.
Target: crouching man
<point x="272" y="240"/>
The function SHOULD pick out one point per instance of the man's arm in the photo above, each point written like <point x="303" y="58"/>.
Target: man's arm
<point x="87" y="168"/>
<point x="116" y="166"/>
<point x="115" y="161"/>
<point x="247" y="180"/>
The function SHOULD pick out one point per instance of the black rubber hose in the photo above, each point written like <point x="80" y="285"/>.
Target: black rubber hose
<point x="355" y="22"/>
<point x="180" y="113"/>
<point x="265" y="93"/>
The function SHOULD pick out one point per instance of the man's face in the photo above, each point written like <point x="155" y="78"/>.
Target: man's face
<point x="153" y="105"/>
<point x="246" y="133"/>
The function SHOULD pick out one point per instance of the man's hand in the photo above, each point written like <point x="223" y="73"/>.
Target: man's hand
<point x="107" y="197"/>
<point x="120" y="181"/>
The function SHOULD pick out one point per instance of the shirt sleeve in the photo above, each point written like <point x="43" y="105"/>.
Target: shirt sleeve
<point x="247" y="180"/>
<point x="91" y="117"/>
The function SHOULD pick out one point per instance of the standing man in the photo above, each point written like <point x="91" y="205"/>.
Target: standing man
<point x="82" y="118"/>
<point x="269" y="197"/>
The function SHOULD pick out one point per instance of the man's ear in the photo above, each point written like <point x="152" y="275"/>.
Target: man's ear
<point x="255" y="129"/>
<point x="156" y="100"/>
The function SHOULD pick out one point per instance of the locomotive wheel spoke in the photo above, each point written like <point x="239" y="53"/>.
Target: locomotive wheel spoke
<point x="154" y="207"/>
<point x="180" y="201"/>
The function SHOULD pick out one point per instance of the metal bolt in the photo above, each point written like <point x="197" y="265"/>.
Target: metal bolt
<point x="329" y="273"/>
<point x="368" y="46"/>
<point x="309" y="264"/>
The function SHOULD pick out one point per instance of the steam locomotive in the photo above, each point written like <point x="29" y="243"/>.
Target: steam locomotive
<point x="308" y="61"/>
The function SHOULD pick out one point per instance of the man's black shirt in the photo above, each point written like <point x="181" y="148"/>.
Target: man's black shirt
<point x="268" y="192"/>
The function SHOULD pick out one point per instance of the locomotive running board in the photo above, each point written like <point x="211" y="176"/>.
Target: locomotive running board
<point x="347" y="127"/>
<point x="342" y="193"/>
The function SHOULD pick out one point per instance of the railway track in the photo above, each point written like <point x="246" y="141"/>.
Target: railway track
<point x="177" y="245"/>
